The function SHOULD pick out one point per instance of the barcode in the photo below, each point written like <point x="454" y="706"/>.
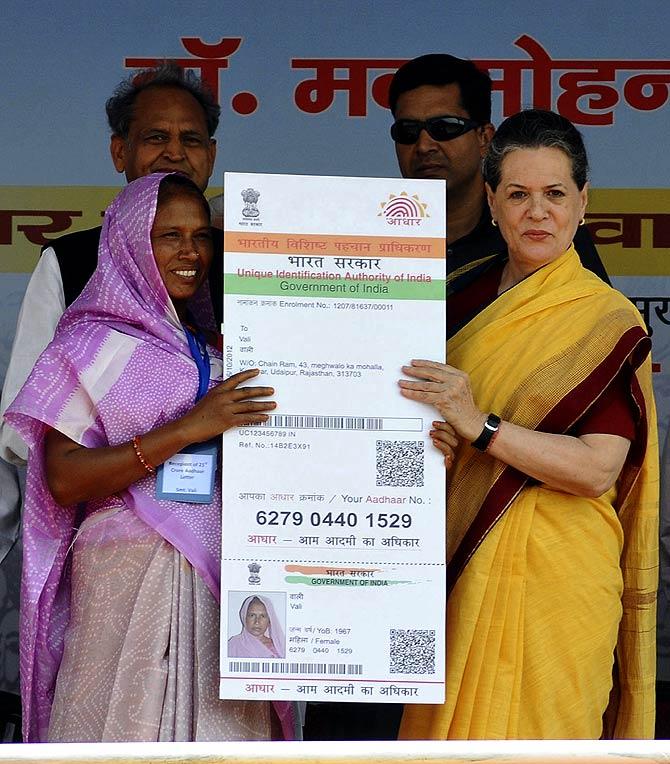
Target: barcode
<point x="314" y="422"/>
<point x="258" y="667"/>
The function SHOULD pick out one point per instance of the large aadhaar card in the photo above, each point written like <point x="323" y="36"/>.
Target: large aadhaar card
<point x="333" y="511"/>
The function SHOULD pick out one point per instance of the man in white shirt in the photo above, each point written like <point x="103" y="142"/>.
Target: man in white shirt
<point x="162" y="120"/>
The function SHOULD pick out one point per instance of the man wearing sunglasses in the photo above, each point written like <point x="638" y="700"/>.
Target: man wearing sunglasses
<point x="442" y="129"/>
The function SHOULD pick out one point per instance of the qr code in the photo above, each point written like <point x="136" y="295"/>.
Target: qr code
<point x="412" y="651"/>
<point x="400" y="463"/>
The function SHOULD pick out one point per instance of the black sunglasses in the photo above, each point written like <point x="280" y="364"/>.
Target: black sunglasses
<point x="445" y="128"/>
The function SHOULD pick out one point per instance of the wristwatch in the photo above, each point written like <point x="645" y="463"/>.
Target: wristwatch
<point x="491" y="426"/>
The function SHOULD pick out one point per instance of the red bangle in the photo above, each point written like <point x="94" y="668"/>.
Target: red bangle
<point x="140" y="456"/>
<point x="493" y="437"/>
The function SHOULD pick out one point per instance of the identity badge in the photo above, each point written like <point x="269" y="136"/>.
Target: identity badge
<point x="188" y="475"/>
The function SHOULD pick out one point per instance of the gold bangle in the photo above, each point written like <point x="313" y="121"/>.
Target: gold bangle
<point x="138" y="452"/>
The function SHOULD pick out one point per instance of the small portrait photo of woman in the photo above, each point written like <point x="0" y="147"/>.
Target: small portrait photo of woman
<point x="261" y="619"/>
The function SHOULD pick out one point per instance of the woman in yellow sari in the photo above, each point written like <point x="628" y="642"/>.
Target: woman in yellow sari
<point x="549" y="436"/>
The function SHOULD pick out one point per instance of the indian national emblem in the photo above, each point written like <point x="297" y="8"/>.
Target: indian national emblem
<point x="250" y="197"/>
<point x="254" y="569"/>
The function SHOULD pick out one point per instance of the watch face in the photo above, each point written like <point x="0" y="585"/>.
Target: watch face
<point x="490" y="428"/>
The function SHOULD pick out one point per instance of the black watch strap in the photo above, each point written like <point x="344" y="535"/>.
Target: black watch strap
<point x="490" y="428"/>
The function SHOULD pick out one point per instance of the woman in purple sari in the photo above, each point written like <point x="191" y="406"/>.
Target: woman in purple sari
<point x="119" y="609"/>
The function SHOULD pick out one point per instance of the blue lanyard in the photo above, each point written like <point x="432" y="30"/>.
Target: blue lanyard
<point x="198" y="348"/>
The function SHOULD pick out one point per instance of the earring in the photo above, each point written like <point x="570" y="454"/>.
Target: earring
<point x="582" y="221"/>
<point x="493" y="223"/>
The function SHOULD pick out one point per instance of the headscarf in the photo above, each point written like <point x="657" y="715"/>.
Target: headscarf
<point x="246" y="645"/>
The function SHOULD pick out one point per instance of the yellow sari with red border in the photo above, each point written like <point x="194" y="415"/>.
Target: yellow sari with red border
<point x="551" y="609"/>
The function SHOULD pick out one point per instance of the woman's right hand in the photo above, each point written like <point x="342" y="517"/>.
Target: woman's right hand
<point x="584" y="466"/>
<point x="76" y="473"/>
<point x="228" y="405"/>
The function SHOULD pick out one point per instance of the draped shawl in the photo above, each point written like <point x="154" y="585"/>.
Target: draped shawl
<point x="539" y="356"/>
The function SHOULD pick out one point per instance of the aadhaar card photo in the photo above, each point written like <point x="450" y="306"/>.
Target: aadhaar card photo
<point x="333" y="546"/>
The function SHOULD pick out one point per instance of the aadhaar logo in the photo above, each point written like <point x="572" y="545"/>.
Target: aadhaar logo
<point x="403" y="209"/>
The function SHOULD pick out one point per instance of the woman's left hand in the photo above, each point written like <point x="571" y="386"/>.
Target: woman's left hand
<point x="448" y="389"/>
<point x="445" y="440"/>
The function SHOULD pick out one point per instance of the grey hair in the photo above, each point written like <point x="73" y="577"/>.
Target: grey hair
<point x="168" y="74"/>
<point x="533" y="129"/>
